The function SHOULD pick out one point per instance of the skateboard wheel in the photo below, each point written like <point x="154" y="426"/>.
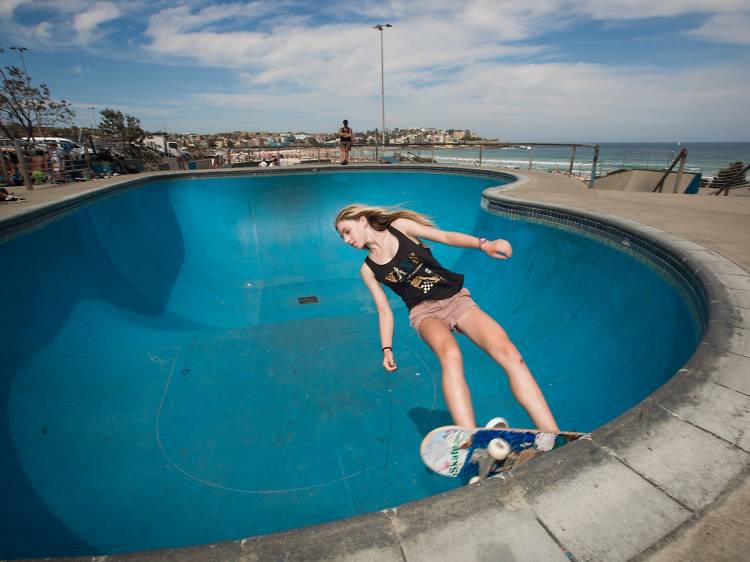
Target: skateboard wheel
<point x="498" y="449"/>
<point x="474" y="480"/>
<point x="497" y="423"/>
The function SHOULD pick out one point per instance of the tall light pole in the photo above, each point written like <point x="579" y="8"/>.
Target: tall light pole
<point x="380" y="27"/>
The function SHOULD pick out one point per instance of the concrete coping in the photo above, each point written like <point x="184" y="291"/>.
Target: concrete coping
<point x="618" y="495"/>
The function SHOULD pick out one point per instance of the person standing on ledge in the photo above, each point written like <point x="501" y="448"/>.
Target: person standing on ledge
<point x="437" y="302"/>
<point x="345" y="138"/>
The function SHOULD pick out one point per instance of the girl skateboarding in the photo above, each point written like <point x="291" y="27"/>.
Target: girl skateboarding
<point x="437" y="302"/>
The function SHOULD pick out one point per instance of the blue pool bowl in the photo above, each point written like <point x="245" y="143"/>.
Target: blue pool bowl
<point x="163" y="385"/>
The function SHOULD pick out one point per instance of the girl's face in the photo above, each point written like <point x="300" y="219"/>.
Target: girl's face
<point x="354" y="232"/>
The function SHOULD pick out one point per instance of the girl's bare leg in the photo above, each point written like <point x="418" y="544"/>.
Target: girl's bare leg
<point x="440" y="339"/>
<point x="487" y="334"/>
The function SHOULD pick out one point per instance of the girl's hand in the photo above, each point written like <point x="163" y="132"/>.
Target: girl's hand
<point x="389" y="363"/>
<point x="500" y="249"/>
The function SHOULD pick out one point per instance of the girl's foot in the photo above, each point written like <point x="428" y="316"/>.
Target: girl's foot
<point x="497" y="423"/>
<point x="545" y="441"/>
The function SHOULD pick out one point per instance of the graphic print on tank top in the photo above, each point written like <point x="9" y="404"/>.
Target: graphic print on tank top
<point x="413" y="270"/>
<point x="414" y="274"/>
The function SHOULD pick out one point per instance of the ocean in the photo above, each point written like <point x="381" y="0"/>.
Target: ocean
<point x="706" y="158"/>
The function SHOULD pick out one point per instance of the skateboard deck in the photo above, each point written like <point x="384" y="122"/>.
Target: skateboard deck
<point x="462" y="452"/>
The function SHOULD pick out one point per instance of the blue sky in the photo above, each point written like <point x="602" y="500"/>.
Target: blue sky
<point x="547" y="70"/>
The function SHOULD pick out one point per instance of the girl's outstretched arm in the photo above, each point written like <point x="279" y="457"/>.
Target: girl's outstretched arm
<point x="500" y="249"/>
<point x="385" y="317"/>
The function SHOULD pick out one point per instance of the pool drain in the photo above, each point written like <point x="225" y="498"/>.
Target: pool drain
<point x="307" y="300"/>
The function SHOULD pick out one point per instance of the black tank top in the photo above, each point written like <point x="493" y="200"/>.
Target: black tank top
<point x="414" y="274"/>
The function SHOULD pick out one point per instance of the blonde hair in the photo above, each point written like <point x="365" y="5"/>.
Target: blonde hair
<point x="380" y="217"/>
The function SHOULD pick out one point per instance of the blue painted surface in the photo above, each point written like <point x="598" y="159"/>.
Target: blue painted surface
<point x="694" y="186"/>
<point x="162" y="386"/>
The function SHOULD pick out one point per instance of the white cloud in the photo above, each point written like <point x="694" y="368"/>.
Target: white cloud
<point x="522" y="102"/>
<point x="725" y="28"/>
<point x="43" y="31"/>
<point x="327" y="56"/>
<point x="460" y="63"/>
<point x="640" y="9"/>
<point x="590" y="102"/>
<point x="463" y="64"/>
<point x="428" y="41"/>
<point x="58" y="23"/>
<point x="87" y="23"/>
<point x="7" y="7"/>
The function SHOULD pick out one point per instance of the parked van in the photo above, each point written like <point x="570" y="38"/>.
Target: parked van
<point x="165" y="146"/>
<point x="71" y="148"/>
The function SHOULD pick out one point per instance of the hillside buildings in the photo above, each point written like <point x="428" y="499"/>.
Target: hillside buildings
<point x="239" y="140"/>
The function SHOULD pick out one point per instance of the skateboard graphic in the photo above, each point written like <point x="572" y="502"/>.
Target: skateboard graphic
<point x="476" y="453"/>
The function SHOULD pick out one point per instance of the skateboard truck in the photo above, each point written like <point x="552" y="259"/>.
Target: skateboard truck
<point x="497" y="450"/>
<point x="486" y="463"/>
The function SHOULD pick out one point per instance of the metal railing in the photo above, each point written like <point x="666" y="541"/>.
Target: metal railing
<point x="414" y="152"/>
<point x="483" y="147"/>
<point x="681" y="158"/>
<point x="731" y="183"/>
<point x="40" y="167"/>
<point x="33" y="164"/>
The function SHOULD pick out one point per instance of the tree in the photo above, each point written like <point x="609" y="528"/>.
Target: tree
<point x="22" y="106"/>
<point x="121" y="126"/>
<point x="125" y="130"/>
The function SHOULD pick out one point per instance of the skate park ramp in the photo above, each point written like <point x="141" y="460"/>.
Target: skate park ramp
<point x="197" y="360"/>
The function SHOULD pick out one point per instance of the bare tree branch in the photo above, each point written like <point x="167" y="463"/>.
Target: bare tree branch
<point x="23" y="105"/>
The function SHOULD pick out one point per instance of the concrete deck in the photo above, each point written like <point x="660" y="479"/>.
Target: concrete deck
<point x="665" y="481"/>
<point x="719" y="531"/>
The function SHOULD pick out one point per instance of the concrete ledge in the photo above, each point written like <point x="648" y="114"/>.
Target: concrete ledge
<point x="599" y="508"/>
<point x="685" y="468"/>
<point x="483" y="522"/>
<point x="640" y="479"/>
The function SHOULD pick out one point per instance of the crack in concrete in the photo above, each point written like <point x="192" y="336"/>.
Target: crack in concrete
<point x="392" y="515"/>
<point x="656" y="485"/>
<point x="703" y="429"/>
<point x="730" y="388"/>
<point x="560" y="545"/>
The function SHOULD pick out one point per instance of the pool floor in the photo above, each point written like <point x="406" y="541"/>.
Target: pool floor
<point x="164" y="386"/>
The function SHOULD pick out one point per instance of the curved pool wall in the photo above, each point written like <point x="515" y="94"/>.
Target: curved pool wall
<point x="153" y="326"/>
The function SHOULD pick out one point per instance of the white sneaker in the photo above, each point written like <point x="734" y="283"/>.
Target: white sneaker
<point x="497" y="423"/>
<point x="545" y="442"/>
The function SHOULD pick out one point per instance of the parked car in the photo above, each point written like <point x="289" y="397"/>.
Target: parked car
<point x="71" y="148"/>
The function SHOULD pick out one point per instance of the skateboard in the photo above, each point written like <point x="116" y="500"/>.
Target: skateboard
<point x="476" y="453"/>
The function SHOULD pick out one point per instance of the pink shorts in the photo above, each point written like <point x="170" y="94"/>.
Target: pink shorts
<point x="448" y="310"/>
